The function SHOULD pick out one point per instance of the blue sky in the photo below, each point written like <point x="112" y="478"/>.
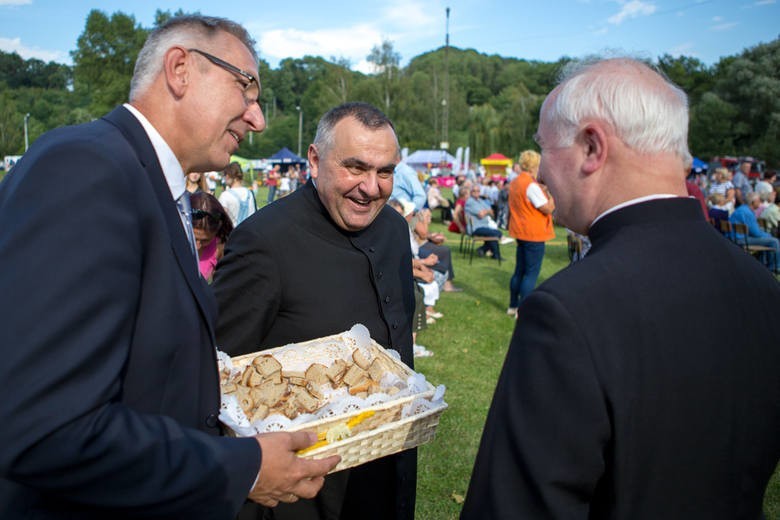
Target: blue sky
<point x="538" y="30"/>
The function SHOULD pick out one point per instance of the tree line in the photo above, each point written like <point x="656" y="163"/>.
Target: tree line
<point x="492" y="102"/>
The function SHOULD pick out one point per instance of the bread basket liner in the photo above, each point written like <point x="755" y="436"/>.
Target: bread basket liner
<point x="384" y="433"/>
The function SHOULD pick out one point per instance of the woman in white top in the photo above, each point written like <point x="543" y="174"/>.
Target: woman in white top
<point x="722" y="184"/>
<point x="238" y="201"/>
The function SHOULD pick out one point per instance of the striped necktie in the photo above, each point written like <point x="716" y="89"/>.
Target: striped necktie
<point x="185" y="211"/>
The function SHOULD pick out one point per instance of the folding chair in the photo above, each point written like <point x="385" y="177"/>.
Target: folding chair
<point x="743" y="240"/>
<point x="472" y="239"/>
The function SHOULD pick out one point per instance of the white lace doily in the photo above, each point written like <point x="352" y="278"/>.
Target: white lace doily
<point x="299" y="357"/>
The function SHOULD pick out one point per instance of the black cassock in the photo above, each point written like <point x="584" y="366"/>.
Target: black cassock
<point x="289" y="275"/>
<point x="640" y="382"/>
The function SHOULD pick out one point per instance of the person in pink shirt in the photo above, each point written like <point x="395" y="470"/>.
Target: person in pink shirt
<point x="211" y="226"/>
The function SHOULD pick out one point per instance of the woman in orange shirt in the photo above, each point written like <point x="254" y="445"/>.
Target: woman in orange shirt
<point x="530" y="224"/>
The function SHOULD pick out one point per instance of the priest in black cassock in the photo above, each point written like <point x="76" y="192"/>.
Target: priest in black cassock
<point x="641" y="382"/>
<point x="313" y="264"/>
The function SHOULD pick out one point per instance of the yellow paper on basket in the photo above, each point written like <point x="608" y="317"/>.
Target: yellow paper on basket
<point x="337" y="432"/>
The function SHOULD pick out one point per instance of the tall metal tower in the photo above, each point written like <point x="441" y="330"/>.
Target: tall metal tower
<point x="445" y="102"/>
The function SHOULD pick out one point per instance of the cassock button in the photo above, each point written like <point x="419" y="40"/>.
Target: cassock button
<point x="379" y="275"/>
<point x="387" y="299"/>
<point x="395" y="325"/>
<point x="211" y="420"/>
<point x="370" y="249"/>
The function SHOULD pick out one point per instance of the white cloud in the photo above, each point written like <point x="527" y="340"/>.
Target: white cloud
<point x="717" y="19"/>
<point x="632" y="9"/>
<point x="765" y="2"/>
<point x="353" y="43"/>
<point x="15" y="2"/>
<point x="16" y="45"/>
<point x="408" y="13"/>
<point x="723" y="26"/>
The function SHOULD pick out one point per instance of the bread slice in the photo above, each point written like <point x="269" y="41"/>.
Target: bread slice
<point x="354" y="375"/>
<point x="336" y="371"/>
<point x="266" y="365"/>
<point x="361" y="359"/>
<point x="376" y="370"/>
<point x="317" y="374"/>
<point x="271" y="393"/>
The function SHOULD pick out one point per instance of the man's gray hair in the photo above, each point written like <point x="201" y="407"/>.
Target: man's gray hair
<point x="368" y="115"/>
<point x="649" y="114"/>
<point x="188" y="31"/>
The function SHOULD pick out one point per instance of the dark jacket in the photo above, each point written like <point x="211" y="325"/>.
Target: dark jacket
<point x="108" y="375"/>
<point x="290" y="274"/>
<point x="640" y="382"/>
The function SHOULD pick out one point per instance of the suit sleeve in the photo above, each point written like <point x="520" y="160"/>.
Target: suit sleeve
<point x="70" y="284"/>
<point x="248" y="291"/>
<point x="542" y="449"/>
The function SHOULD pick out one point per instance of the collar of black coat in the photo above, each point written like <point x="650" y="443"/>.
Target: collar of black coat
<point x="663" y="212"/>
<point x="312" y="197"/>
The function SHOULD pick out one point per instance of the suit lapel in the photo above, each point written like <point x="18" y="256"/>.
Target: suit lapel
<point x="132" y="130"/>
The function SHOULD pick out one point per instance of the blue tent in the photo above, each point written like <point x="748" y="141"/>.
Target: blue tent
<point x="699" y="166"/>
<point x="285" y="156"/>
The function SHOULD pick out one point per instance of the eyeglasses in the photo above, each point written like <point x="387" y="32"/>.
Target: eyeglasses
<point x="199" y="214"/>
<point x="250" y="87"/>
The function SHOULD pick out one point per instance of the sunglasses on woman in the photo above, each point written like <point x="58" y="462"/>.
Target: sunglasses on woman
<point x="199" y="214"/>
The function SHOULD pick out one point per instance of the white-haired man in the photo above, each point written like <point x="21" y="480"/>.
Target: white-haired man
<point x="625" y="393"/>
<point x="109" y="376"/>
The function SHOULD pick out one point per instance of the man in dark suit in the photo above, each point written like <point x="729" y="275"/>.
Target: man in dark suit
<point x="316" y="262"/>
<point x="108" y="374"/>
<point x="641" y="382"/>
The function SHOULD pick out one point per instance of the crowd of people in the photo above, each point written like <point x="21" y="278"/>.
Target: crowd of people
<point x="605" y="406"/>
<point x="731" y="196"/>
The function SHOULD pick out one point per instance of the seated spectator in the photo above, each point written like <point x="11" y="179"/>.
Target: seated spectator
<point x="431" y="244"/>
<point x="768" y="183"/>
<point x="482" y="223"/>
<point x="772" y="213"/>
<point x="722" y="184"/>
<point x="211" y="226"/>
<point x="458" y="224"/>
<point x="756" y="236"/>
<point x="238" y="201"/>
<point x="437" y="200"/>
<point x="718" y="209"/>
<point x="425" y="277"/>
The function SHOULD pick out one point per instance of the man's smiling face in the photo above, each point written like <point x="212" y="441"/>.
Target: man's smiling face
<point x="354" y="177"/>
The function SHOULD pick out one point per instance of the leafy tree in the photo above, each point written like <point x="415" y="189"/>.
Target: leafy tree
<point x="105" y="58"/>
<point x="690" y="74"/>
<point x="712" y="123"/>
<point x="385" y="61"/>
<point x="751" y="82"/>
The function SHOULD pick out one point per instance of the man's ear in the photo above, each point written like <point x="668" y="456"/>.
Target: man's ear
<point x="314" y="160"/>
<point x="177" y="70"/>
<point x="594" y="142"/>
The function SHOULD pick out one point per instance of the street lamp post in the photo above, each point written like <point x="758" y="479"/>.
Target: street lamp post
<point x="300" y="128"/>
<point x="26" y="140"/>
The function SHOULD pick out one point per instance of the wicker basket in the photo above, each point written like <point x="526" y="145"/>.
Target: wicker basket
<point x="383" y="433"/>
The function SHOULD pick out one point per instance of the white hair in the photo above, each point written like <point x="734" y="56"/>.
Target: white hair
<point x="187" y="31"/>
<point x="644" y="109"/>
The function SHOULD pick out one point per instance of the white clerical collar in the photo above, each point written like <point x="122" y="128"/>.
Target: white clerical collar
<point x="171" y="167"/>
<point x="632" y="202"/>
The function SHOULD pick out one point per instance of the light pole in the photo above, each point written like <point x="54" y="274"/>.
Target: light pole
<point x="26" y="140"/>
<point x="300" y="128"/>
